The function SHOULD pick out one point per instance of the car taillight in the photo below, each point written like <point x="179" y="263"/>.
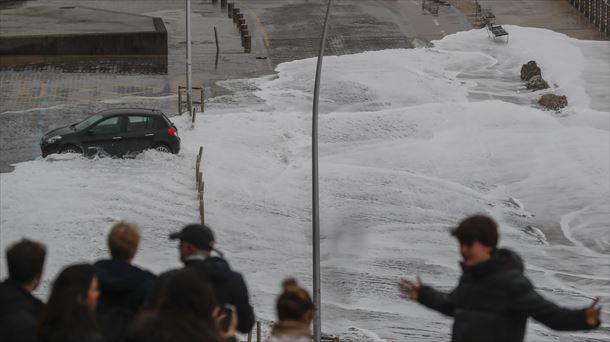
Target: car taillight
<point x="172" y="131"/>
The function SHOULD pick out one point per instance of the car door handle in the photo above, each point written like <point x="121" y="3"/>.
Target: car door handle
<point x="149" y="134"/>
<point x="117" y="138"/>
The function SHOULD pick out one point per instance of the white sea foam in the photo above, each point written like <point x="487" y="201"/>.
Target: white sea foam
<point x="412" y="141"/>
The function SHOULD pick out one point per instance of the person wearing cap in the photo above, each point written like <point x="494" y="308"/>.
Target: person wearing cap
<point x="493" y="298"/>
<point x="195" y="248"/>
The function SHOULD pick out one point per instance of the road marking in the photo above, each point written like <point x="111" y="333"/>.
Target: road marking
<point x="436" y="22"/>
<point x="443" y="32"/>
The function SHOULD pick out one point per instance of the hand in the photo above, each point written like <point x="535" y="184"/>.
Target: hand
<point x="410" y="290"/>
<point x="592" y="313"/>
<point x="218" y="316"/>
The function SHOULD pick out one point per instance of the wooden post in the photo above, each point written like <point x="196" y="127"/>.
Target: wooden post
<point x="214" y="1"/>
<point x="235" y="14"/>
<point x="201" y="204"/>
<point x="216" y="38"/>
<point x="202" y="99"/>
<point x="179" y="100"/>
<point x="230" y="10"/>
<point x="250" y="336"/>
<point x="223" y="4"/>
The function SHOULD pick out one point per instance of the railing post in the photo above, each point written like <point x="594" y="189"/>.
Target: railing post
<point x="258" y="331"/>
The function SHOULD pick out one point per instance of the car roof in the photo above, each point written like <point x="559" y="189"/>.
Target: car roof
<point x="130" y="111"/>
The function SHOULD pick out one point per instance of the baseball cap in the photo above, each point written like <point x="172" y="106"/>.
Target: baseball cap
<point x="201" y="236"/>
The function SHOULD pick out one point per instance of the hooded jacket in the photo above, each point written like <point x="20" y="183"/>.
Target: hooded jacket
<point x="493" y="301"/>
<point x="124" y="289"/>
<point x="228" y="287"/>
<point x="19" y="312"/>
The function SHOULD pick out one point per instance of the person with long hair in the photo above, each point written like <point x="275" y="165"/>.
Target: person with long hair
<point x="295" y="312"/>
<point x="186" y="311"/>
<point x="69" y="314"/>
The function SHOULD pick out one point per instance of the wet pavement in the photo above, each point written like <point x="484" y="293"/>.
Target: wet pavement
<point x="39" y="93"/>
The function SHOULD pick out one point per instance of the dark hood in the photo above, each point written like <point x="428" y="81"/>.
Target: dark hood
<point x="502" y="259"/>
<point x="119" y="277"/>
<point x="216" y="269"/>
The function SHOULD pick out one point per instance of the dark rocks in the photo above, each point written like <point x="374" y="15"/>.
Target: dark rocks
<point x="537" y="83"/>
<point x="553" y="102"/>
<point x="529" y="70"/>
<point x="531" y="73"/>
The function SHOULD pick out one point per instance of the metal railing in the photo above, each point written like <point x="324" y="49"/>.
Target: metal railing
<point x="596" y="11"/>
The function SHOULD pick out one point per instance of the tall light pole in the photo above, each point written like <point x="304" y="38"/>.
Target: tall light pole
<point x="188" y="57"/>
<point x="317" y="321"/>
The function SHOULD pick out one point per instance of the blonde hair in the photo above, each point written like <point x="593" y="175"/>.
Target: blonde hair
<point x="123" y="241"/>
<point x="294" y="301"/>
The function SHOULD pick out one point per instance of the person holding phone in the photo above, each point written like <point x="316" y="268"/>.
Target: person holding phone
<point x="198" y="252"/>
<point x="186" y="311"/>
<point x="494" y="298"/>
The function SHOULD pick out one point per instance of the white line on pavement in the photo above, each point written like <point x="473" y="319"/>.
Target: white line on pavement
<point x="436" y="22"/>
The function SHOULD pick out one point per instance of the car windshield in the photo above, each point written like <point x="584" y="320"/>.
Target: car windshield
<point x="88" y="122"/>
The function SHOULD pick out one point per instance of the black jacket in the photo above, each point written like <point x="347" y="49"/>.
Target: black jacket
<point x="493" y="301"/>
<point x="19" y="312"/>
<point x="228" y="287"/>
<point x="124" y="289"/>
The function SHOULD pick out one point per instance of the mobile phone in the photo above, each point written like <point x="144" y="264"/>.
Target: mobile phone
<point x="227" y="310"/>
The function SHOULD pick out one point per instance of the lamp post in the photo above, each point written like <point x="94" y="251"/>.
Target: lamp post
<point x="188" y="57"/>
<point x="317" y="321"/>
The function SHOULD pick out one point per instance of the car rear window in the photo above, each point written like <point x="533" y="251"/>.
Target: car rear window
<point x="160" y="122"/>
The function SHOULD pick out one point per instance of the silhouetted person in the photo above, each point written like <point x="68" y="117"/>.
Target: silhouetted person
<point x="19" y="310"/>
<point x="124" y="288"/>
<point x="493" y="298"/>
<point x="196" y="246"/>
<point x="69" y="314"/>
<point x="295" y="312"/>
<point x="186" y="311"/>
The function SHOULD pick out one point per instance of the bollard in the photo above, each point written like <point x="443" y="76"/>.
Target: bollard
<point x="214" y="1"/>
<point x="241" y="21"/>
<point x="235" y="14"/>
<point x="230" y="10"/>
<point x="238" y="18"/>
<point x="247" y="44"/>
<point x="243" y="31"/>
<point x="223" y="4"/>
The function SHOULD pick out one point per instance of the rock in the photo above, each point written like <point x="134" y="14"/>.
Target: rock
<point x="552" y="101"/>
<point x="536" y="82"/>
<point x="530" y="69"/>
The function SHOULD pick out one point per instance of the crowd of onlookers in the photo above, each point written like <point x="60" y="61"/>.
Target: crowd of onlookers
<point x="113" y="300"/>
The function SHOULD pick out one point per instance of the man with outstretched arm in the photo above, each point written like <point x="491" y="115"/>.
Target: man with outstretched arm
<point x="493" y="298"/>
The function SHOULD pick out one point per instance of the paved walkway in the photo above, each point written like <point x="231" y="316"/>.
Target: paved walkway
<point x="556" y="15"/>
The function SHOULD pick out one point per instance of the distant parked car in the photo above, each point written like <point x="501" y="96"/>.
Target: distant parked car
<point x="117" y="132"/>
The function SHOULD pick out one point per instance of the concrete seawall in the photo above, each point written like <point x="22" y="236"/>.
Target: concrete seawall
<point x="79" y="33"/>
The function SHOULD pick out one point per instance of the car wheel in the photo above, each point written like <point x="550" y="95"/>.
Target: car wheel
<point x="163" y="148"/>
<point x="71" y="149"/>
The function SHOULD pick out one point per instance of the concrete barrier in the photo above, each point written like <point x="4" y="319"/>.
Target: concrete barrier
<point x="128" y="43"/>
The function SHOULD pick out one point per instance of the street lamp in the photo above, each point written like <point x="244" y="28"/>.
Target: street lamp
<point x="189" y="102"/>
<point x="317" y="321"/>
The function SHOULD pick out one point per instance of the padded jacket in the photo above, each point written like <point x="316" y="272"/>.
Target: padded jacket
<point x="493" y="301"/>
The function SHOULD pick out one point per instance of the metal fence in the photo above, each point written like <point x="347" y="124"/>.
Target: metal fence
<point x="596" y="11"/>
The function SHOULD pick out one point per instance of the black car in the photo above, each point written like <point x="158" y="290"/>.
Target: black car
<point x="117" y="132"/>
